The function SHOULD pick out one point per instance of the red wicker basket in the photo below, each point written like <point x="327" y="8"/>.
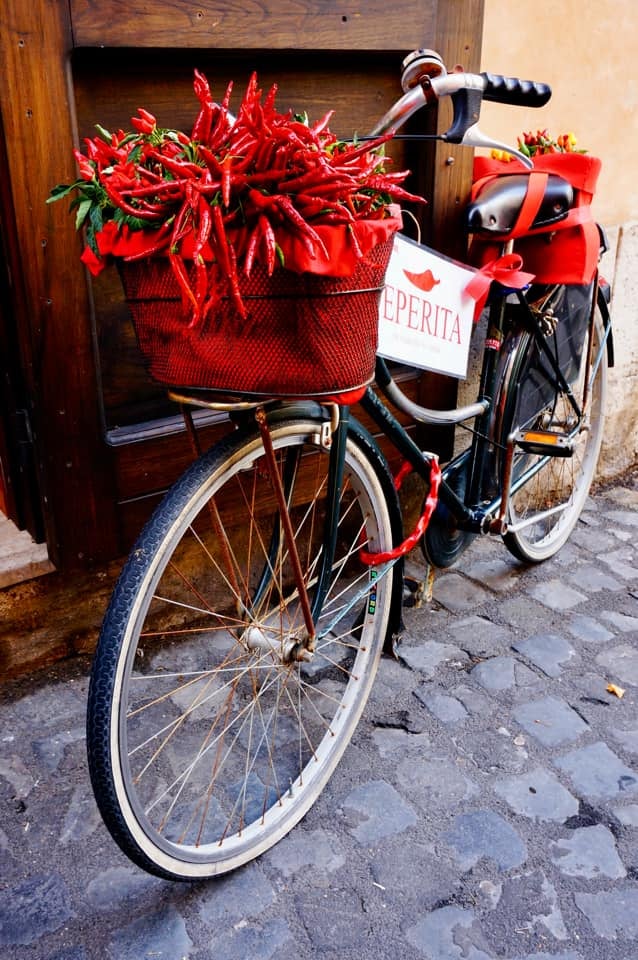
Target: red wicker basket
<point x="304" y="334"/>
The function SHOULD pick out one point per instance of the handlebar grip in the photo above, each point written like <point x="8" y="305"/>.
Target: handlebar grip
<point x="518" y="93"/>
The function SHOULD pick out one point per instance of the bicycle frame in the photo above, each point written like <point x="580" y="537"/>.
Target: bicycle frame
<point x="482" y="508"/>
<point x="478" y="513"/>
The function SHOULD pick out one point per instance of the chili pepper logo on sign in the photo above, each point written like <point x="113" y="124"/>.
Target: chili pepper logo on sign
<point x="425" y="317"/>
<point x="424" y="281"/>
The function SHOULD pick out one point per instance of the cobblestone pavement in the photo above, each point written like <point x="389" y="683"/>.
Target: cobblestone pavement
<point x="487" y="808"/>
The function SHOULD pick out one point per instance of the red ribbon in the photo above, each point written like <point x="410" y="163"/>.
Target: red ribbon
<point x="505" y="270"/>
<point x="373" y="559"/>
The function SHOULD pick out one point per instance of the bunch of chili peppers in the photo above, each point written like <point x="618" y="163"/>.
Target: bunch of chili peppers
<point x="539" y="143"/>
<point x="214" y="201"/>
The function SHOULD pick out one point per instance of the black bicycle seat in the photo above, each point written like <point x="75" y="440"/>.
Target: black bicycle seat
<point x="497" y="207"/>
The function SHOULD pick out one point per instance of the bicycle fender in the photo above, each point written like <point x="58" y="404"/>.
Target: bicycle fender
<point x="603" y="305"/>
<point x="395" y="621"/>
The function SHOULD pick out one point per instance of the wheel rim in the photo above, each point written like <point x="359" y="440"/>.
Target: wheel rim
<point x="223" y="739"/>
<point x="542" y="514"/>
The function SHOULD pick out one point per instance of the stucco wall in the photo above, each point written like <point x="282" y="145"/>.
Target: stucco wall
<point x="588" y="52"/>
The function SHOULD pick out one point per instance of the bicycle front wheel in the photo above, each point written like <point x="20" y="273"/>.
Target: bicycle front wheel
<point x="543" y="511"/>
<point x="207" y="738"/>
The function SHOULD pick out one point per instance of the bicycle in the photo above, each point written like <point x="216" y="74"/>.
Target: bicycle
<point x="235" y="658"/>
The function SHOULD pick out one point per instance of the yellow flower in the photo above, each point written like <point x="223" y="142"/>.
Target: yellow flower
<point x="502" y="155"/>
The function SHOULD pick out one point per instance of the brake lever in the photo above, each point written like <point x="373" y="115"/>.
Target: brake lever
<point x="473" y="137"/>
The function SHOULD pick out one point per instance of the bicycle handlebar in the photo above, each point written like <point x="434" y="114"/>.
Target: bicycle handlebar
<point x="518" y="93"/>
<point x="466" y="90"/>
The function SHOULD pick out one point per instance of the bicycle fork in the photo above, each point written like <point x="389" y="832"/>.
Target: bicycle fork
<point x="306" y="648"/>
<point x="311" y="595"/>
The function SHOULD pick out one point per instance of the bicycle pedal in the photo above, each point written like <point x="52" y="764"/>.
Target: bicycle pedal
<point x="544" y="443"/>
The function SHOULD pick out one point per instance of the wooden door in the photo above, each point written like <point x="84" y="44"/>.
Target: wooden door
<point x="107" y="440"/>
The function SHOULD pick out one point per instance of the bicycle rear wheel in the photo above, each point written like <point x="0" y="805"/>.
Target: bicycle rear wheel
<point x="543" y="512"/>
<point x="207" y="739"/>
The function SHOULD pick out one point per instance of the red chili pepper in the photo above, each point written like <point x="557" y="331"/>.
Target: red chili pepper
<point x="264" y="176"/>
<point x="269" y="102"/>
<point x="180" y="224"/>
<point x="87" y="171"/>
<point x="311" y="206"/>
<point x="363" y="204"/>
<point x="233" y="276"/>
<point x="146" y="174"/>
<point x="162" y="240"/>
<point x="355" y="242"/>
<point x="251" y="248"/>
<point x="214" y="294"/>
<point x="309" y="237"/>
<point x="202" y="125"/>
<point x="258" y="200"/>
<point x="308" y="180"/>
<point x="335" y="216"/>
<point x="226" y="259"/>
<point x="180" y="167"/>
<point x="219" y="239"/>
<point x="249" y="154"/>
<point x="218" y="235"/>
<point x="305" y="134"/>
<point x="209" y="159"/>
<point x="181" y="275"/>
<point x="221" y="123"/>
<point x="321" y="125"/>
<point x="145" y="123"/>
<point x="335" y="189"/>
<point x="156" y="189"/>
<point x="379" y="183"/>
<point x="226" y="169"/>
<point x="205" y="226"/>
<point x="264" y="156"/>
<point x="118" y="201"/>
<point x="269" y="243"/>
<point x="240" y="144"/>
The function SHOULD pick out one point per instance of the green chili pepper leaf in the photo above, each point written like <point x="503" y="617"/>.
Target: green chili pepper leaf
<point x="103" y="133"/>
<point x="91" y="240"/>
<point x="83" y="211"/>
<point x="62" y="190"/>
<point x="95" y="217"/>
<point x="134" y="223"/>
<point x="135" y="154"/>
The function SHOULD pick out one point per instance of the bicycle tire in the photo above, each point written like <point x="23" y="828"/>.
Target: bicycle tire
<point x="562" y="484"/>
<point x="197" y="771"/>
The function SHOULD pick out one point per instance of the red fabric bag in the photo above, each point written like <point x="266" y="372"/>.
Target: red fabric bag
<point x="566" y="252"/>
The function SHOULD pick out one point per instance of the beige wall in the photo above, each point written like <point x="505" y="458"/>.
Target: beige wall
<point x="588" y="53"/>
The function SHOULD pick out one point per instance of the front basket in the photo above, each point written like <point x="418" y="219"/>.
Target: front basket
<point x="303" y="335"/>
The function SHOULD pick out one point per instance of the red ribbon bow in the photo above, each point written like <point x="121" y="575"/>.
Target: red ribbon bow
<point x="505" y="270"/>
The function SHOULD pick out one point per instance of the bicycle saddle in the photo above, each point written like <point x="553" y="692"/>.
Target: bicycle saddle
<point x="497" y="207"/>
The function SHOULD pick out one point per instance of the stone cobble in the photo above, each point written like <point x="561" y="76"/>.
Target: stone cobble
<point x="486" y="809"/>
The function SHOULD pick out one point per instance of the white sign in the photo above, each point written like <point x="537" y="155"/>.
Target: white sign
<point x="425" y="318"/>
